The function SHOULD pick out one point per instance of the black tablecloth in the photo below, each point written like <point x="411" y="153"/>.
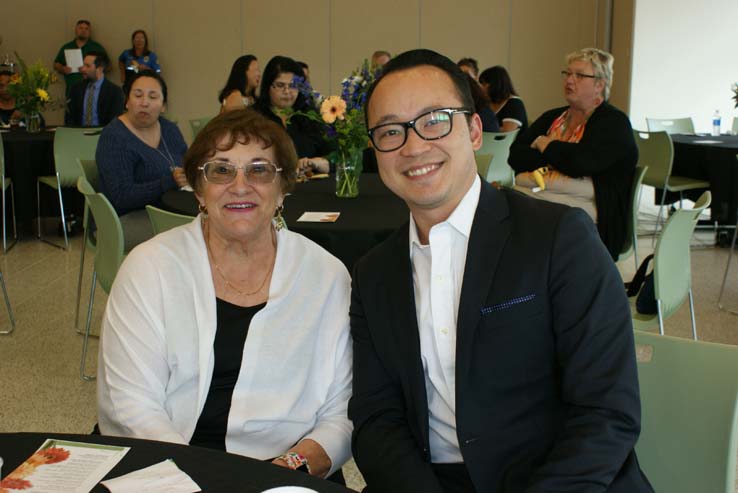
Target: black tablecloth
<point x="28" y="156"/>
<point x="364" y="221"/>
<point x="212" y="470"/>
<point x="715" y="163"/>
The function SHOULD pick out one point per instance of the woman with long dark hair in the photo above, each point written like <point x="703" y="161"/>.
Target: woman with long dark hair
<point x="240" y="90"/>
<point x="504" y="101"/>
<point x="279" y="98"/>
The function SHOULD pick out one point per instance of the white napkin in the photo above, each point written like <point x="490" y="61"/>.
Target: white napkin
<point x="164" y="477"/>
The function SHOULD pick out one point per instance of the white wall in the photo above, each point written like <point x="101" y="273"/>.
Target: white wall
<point x="685" y="58"/>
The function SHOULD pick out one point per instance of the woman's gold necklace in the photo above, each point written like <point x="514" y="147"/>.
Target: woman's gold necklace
<point x="228" y="283"/>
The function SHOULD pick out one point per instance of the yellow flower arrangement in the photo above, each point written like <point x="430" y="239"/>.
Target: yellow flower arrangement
<point x="30" y="86"/>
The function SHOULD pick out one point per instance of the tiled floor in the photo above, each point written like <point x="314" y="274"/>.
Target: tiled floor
<point x="39" y="363"/>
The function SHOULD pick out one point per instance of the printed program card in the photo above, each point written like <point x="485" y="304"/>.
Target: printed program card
<point x="74" y="59"/>
<point x="319" y="217"/>
<point x="61" y="466"/>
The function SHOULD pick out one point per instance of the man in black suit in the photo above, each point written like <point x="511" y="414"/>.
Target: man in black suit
<point x="95" y="101"/>
<point x="493" y="346"/>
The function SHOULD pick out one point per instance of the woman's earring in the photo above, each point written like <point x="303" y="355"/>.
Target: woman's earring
<point x="279" y="222"/>
<point x="203" y="209"/>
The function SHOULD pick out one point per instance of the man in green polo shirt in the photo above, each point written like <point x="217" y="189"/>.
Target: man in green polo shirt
<point x="81" y="41"/>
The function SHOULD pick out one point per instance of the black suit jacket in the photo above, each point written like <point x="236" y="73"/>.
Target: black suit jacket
<point x="546" y="383"/>
<point x="109" y="103"/>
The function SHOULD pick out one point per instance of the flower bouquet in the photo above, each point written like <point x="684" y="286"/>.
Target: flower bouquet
<point x="345" y="124"/>
<point x="30" y="87"/>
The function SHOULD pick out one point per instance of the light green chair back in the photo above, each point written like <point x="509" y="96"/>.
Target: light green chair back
<point x="631" y="231"/>
<point x="656" y="154"/>
<point x="689" y="401"/>
<point x="162" y="220"/>
<point x="71" y="144"/>
<point x="735" y="125"/>
<point x="198" y="124"/>
<point x="670" y="125"/>
<point x="109" y="248"/>
<point x="672" y="270"/>
<point x="671" y="259"/>
<point x="497" y="145"/>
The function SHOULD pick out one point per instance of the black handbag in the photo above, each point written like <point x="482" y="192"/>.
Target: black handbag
<point x="642" y="285"/>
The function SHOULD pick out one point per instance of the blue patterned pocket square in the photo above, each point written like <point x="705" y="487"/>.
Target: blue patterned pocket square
<point x="507" y="304"/>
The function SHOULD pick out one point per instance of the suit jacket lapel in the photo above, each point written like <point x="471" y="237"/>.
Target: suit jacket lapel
<point x="404" y="326"/>
<point x="489" y="233"/>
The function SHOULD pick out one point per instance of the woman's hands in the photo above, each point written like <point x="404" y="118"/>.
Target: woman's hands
<point x="313" y="165"/>
<point x="318" y="460"/>
<point x="540" y="143"/>
<point x="179" y="177"/>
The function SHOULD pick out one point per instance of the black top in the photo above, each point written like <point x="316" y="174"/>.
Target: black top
<point x="307" y="135"/>
<point x="489" y="121"/>
<point x="5" y="115"/>
<point x="514" y="110"/>
<point x="230" y="338"/>
<point x="607" y="152"/>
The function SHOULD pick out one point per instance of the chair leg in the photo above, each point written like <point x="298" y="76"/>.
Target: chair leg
<point x="88" y="378"/>
<point x="661" y="317"/>
<point x="658" y="218"/>
<point x="727" y="269"/>
<point x="61" y="208"/>
<point x="12" y="204"/>
<point x="79" y="280"/>
<point x="7" y="305"/>
<point x="691" y="314"/>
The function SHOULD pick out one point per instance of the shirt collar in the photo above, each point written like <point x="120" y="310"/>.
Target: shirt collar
<point x="461" y="218"/>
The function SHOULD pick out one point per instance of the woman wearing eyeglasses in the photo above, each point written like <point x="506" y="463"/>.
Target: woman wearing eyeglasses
<point x="582" y="154"/>
<point x="232" y="332"/>
<point x="279" y="98"/>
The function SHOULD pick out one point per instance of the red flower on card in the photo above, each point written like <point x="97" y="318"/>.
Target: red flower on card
<point x="15" y="484"/>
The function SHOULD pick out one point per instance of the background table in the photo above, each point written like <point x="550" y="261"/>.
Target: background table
<point x="212" y="470"/>
<point x="364" y="222"/>
<point x="715" y="163"/>
<point x="28" y="156"/>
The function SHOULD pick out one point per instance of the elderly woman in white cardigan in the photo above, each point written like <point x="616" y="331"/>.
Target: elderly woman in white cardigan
<point x="231" y="332"/>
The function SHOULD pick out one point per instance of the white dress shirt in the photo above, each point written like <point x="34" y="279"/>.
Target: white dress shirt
<point x="438" y="272"/>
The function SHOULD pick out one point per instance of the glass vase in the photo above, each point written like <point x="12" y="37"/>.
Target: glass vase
<point x="33" y="123"/>
<point x="348" y="171"/>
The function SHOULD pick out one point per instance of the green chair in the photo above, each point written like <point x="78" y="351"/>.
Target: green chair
<point x="198" y="124"/>
<point x="735" y="125"/>
<point x="70" y="144"/>
<point x="670" y="125"/>
<point x="162" y="220"/>
<point x="88" y="169"/>
<point x="7" y="305"/>
<point x="108" y="253"/>
<point x="672" y="271"/>
<point x="631" y="246"/>
<point x="497" y="146"/>
<point x="656" y="152"/>
<point x="689" y="403"/>
<point x="727" y="266"/>
<point x="6" y="183"/>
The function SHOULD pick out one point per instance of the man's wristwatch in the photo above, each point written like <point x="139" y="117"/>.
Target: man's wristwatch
<point x="296" y="461"/>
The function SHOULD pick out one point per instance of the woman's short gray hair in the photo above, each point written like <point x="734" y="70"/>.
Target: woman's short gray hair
<point x="601" y="61"/>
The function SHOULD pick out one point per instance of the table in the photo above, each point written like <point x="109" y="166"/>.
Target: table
<point x="212" y="470"/>
<point x="28" y="156"/>
<point x="715" y="163"/>
<point x="364" y="222"/>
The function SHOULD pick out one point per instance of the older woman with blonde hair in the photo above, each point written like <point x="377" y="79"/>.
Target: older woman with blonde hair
<point x="582" y="154"/>
<point x="231" y="332"/>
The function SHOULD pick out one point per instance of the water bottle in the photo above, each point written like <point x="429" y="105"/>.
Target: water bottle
<point x="716" y="123"/>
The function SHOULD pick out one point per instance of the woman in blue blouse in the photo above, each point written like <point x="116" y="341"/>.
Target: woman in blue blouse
<point x="138" y="57"/>
<point x="139" y="155"/>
